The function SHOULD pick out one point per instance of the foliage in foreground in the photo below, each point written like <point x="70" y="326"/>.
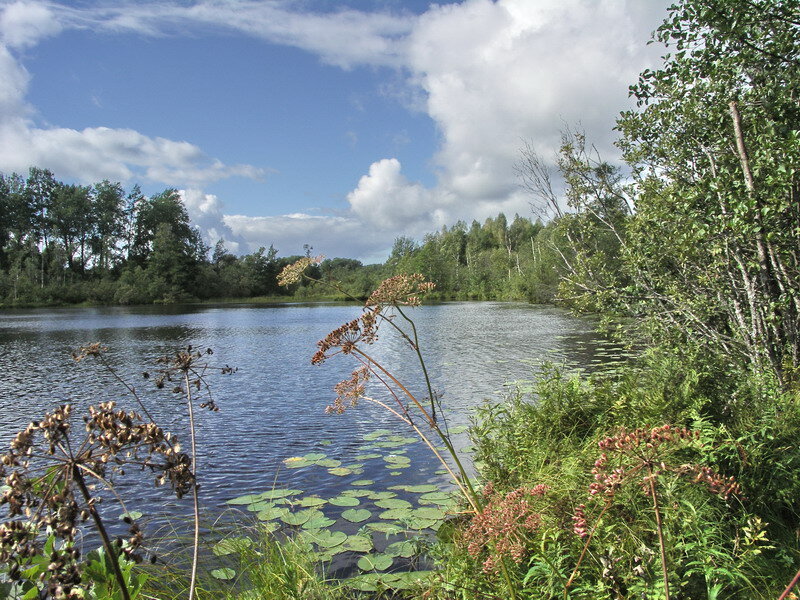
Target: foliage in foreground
<point x="702" y="506"/>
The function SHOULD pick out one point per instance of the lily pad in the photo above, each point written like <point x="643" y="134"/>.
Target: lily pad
<point x="420" y="524"/>
<point x="381" y="495"/>
<point x="301" y="516"/>
<point x="405" y="549"/>
<point x="378" y="433"/>
<point x="416" y="489"/>
<point x="246" y="499"/>
<point x="132" y="515"/>
<point x="231" y="545"/>
<point x="393" y="503"/>
<point x="356" y="515"/>
<point x="407" y="580"/>
<point x="394" y="514"/>
<point x="296" y="462"/>
<point x="367" y="456"/>
<point x="387" y="528"/>
<point x="310" y="501"/>
<point x="273" y="512"/>
<point x="357" y="493"/>
<point x="362" y="482"/>
<point x="224" y="574"/>
<point x="314" y="456"/>
<point x="340" y="471"/>
<point x="344" y="501"/>
<point x="279" y="493"/>
<point x="393" y="459"/>
<point x="427" y="512"/>
<point x="356" y="543"/>
<point x="318" y="523"/>
<point x="326" y="538"/>
<point x="329" y="463"/>
<point x="375" y="562"/>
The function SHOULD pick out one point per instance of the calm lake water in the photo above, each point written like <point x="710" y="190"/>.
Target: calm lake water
<point x="274" y="406"/>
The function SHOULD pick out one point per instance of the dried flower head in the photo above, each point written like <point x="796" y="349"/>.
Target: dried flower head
<point x="344" y="339"/>
<point x="401" y="290"/>
<point x="294" y="272"/>
<point x="52" y="481"/>
<point x="349" y="391"/>
<point x="501" y="529"/>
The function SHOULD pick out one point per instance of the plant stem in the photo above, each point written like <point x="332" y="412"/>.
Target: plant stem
<point x="196" y="500"/>
<point x="790" y="587"/>
<point x="112" y="555"/>
<point x="660" y="530"/>
<point x="512" y="592"/>
<point x="585" y="548"/>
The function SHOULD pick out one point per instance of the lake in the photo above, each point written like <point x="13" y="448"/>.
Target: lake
<point x="273" y="407"/>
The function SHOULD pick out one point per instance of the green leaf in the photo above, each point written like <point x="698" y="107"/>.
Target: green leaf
<point x="340" y="471"/>
<point x="224" y="574"/>
<point x="362" y="482"/>
<point x="344" y="501"/>
<point x="405" y="549"/>
<point x="393" y="503"/>
<point x="375" y="562"/>
<point x="231" y="545"/>
<point x="356" y="515"/>
<point x="356" y="543"/>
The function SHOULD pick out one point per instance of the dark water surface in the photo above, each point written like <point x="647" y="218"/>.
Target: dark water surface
<point x="274" y="406"/>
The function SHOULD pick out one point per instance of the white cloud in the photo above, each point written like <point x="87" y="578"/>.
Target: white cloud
<point x="23" y="24"/>
<point x="497" y="73"/>
<point x="331" y="236"/>
<point x="206" y="212"/>
<point x="345" y="38"/>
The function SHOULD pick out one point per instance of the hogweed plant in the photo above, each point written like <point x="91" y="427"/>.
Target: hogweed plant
<point x="54" y="476"/>
<point x="185" y="373"/>
<point x="642" y="457"/>
<point x="387" y="306"/>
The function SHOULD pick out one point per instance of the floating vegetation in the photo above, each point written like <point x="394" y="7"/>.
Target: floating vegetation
<point x="223" y="574"/>
<point x="356" y="515"/>
<point x="343" y="500"/>
<point x="362" y="482"/>
<point x="231" y="545"/>
<point x="375" y="562"/>
<point x="393" y="503"/>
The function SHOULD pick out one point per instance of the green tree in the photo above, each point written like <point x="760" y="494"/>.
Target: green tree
<point x="715" y="147"/>
<point x="108" y="210"/>
<point x="72" y="220"/>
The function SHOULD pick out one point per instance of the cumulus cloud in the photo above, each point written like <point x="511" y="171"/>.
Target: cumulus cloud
<point x="206" y="212"/>
<point x="331" y="236"/>
<point x="23" y="24"/>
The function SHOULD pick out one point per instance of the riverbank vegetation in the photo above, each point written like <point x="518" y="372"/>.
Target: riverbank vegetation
<point x="676" y="476"/>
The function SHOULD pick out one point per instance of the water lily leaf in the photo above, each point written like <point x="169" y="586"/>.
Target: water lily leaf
<point x="387" y="528"/>
<point x="356" y="543"/>
<point x="329" y="463"/>
<point x="356" y="493"/>
<point x="394" y="514"/>
<point x="301" y="516"/>
<point x="388" y="444"/>
<point x="376" y="434"/>
<point x="427" y="512"/>
<point x="344" y="501"/>
<point x="395" y="473"/>
<point x="325" y="442"/>
<point x="375" y="562"/>
<point x="231" y="545"/>
<point x="272" y="512"/>
<point x="259" y="506"/>
<point x="340" y="471"/>
<point x="420" y="524"/>
<point x="356" y="515"/>
<point x="437" y="498"/>
<point x="310" y="501"/>
<point x="405" y="549"/>
<point x="407" y="580"/>
<point x="459" y="429"/>
<point x="326" y="538"/>
<point x="132" y="515"/>
<point x="271" y="526"/>
<point x="296" y="462"/>
<point x="363" y="583"/>
<point x="394" y="458"/>
<point x="314" y="456"/>
<point x="318" y="523"/>
<point x="246" y="499"/>
<point x="362" y="482"/>
<point x="381" y="495"/>
<point x="279" y="493"/>
<point x="367" y="456"/>
<point x="224" y="574"/>
<point x="415" y="489"/>
<point x="393" y="503"/>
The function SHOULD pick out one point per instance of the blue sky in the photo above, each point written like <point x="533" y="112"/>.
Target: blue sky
<point x="336" y="124"/>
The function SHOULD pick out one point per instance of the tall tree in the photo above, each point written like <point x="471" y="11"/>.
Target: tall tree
<point x="714" y="250"/>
